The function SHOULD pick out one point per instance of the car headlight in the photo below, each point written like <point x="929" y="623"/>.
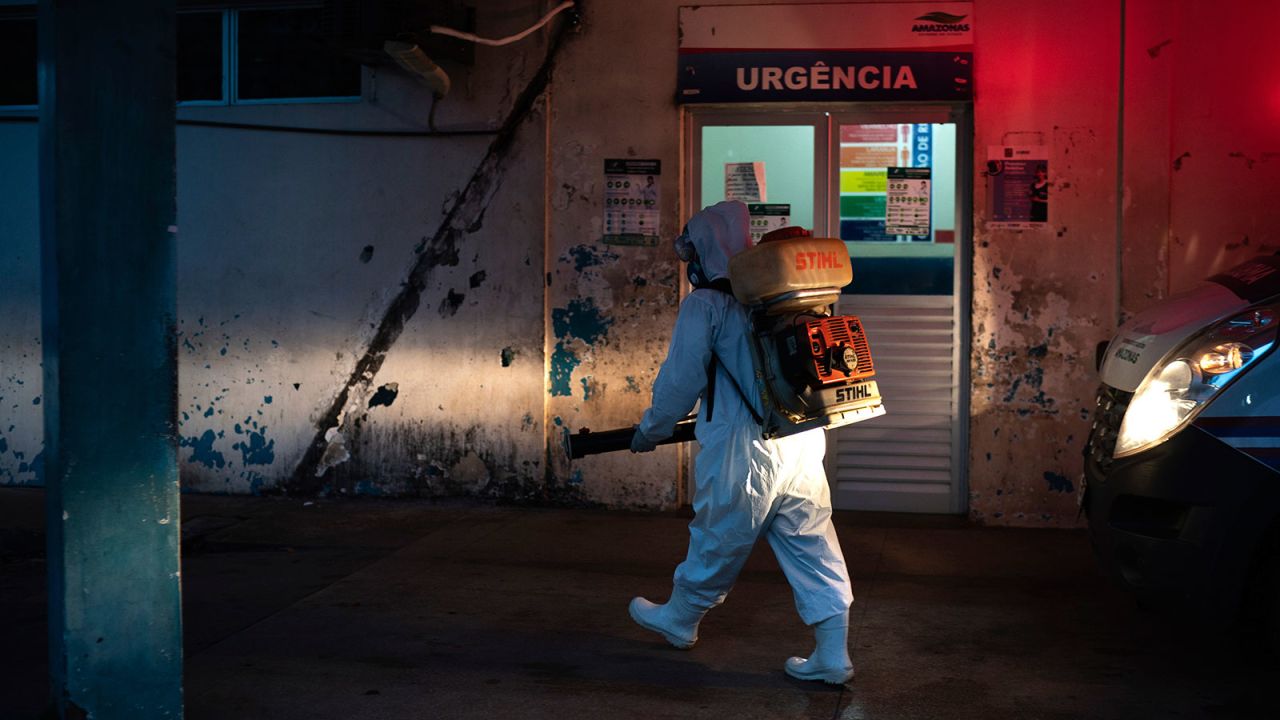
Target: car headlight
<point x="1187" y="379"/>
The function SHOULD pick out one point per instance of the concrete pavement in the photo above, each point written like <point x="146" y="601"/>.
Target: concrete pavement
<point x="406" y="609"/>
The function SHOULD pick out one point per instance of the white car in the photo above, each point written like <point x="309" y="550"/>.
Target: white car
<point x="1182" y="466"/>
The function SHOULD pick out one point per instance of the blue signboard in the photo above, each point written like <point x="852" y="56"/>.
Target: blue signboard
<point x="716" y="76"/>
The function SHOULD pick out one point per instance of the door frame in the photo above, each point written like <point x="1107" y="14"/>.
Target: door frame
<point x="828" y="116"/>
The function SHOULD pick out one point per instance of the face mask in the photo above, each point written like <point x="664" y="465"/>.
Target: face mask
<point x="684" y="247"/>
<point x="697" y="276"/>
<point x="689" y="254"/>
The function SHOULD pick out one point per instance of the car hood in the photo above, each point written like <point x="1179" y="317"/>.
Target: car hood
<point x="1155" y="332"/>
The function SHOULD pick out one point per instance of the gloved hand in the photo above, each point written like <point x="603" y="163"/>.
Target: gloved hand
<point x="642" y="444"/>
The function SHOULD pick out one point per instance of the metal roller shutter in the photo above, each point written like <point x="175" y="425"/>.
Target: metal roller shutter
<point x="907" y="460"/>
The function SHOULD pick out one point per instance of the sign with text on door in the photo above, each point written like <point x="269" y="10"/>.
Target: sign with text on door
<point x="767" y="217"/>
<point x="867" y="152"/>
<point x="907" y="201"/>
<point x="746" y="182"/>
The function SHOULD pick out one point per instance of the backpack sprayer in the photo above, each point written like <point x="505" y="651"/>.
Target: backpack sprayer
<point x="812" y="369"/>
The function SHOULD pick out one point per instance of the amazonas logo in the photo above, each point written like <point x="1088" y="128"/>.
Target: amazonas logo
<point x="936" y="23"/>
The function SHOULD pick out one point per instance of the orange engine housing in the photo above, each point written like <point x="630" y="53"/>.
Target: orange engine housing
<point x="826" y="351"/>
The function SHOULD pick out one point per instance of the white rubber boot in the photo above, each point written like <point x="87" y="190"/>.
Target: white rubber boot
<point x="677" y="620"/>
<point x="830" y="661"/>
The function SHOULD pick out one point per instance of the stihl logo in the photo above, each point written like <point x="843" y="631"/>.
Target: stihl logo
<point x="818" y="260"/>
<point x="849" y="394"/>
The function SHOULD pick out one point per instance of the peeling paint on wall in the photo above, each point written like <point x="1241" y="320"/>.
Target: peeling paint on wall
<point x="585" y="256"/>
<point x="583" y="323"/>
<point x="202" y="450"/>
<point x="563" y="363"/>
<point x="582" y="319"/>
<point x="255" y="449"/>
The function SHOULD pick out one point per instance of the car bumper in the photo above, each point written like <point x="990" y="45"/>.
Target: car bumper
<point x="1182" y="519"/>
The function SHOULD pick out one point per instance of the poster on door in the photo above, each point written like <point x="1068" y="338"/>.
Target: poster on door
<point x="745" y="181"/>
<point x="907" y="201"/>
<point x="868" y="153"/>
<point x="1017" y="187"/>
<point x="767" y="217"/>
<point x="631" y="209"/>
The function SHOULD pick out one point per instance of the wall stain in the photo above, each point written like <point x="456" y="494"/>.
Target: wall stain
<point x="36" y="466"/>
<point x="1248" y="161"/>
<point x="585" y="256"/>
<point x="450" y="304"/>
<point x="385" y="395"/>
<point x="581" y="319"/>
<point x="465" y="211"/>
<point x="563" y="363"/>
<point x="477" y="279"/>
<point x="255" y="449"/>
<point x="202" y="450"/>
<point x="415" y="458"/>
<point x="1154" y="50"/>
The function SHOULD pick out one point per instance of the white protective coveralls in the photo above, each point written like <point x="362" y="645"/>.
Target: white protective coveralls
<point x="746" y="486"/>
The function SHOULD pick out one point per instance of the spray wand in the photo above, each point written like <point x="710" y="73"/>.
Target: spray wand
<point x="585" y="442"/>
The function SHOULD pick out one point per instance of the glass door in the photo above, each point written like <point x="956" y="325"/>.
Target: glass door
<point x="857" y="174"/>
<point x="900" y="202"/>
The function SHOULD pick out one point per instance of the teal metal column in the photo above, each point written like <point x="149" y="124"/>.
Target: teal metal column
<point x="107" y="213"/>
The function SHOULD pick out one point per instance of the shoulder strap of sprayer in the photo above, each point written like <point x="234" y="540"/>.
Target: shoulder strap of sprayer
<point x="723" y="286"/>
<point x="711" y="390"/>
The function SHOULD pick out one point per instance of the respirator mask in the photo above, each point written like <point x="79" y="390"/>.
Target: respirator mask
<point x="689" y="255"/>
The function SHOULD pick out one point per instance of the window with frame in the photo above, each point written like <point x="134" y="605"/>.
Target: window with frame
<point x="18" y="58"/>
<point x="229" y="56"/>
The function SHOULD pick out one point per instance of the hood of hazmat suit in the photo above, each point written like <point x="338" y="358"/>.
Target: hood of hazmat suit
<point x="746" y="486"/>
<point x="717" y="233"/>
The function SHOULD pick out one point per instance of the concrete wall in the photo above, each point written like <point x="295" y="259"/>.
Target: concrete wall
<point x="1193" y="179"/>
<point x="21" y="428"/>
<point x="1223" y="139"/>
<point x="1042" y="299"/>
<point x="296" y="252"/>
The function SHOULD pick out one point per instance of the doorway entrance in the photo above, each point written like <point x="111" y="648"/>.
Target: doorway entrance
<point x="828" y="169"/>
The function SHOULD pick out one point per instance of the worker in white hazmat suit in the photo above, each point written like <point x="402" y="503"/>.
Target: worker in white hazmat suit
<point x="746" y="486"/>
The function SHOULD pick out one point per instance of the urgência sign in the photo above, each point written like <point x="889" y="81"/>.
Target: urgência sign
<point x="822" y="77"/>
<point x="828" y="52"/>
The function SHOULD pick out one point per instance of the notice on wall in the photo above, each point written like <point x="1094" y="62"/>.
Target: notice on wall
<point x="907" y="201"/>
<point x="631" y="209"/>
<point x="744" y="181"/>
<point x="767" y="217"/>
<point x="1017" y="187"/>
